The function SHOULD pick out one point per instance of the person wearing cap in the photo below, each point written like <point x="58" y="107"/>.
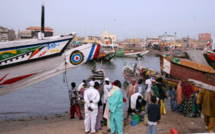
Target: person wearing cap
<point x="106" y="89"/>
<point x="91" y="99"/>
<point x="115" y="102"/>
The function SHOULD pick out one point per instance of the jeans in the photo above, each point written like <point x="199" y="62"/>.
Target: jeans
<point x="152" y="129"/>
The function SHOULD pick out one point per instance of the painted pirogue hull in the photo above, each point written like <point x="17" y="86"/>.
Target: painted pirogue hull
<point x="106" y="57"/>
<point x="136" y="54"/>
<point x="18" y="52"/>
<point x="188" y="71"/>
<point x="21" y="74"/>
<point x="210" y="57"/>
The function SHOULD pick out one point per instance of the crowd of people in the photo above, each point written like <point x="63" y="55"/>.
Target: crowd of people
<point x="114" y="104"/>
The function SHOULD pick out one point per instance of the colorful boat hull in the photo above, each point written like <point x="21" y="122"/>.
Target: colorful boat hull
<point x="188" y="70"/>
<point x="27" y="53"/>
<point x="18" y="76"/>
<point x="210" y="57"/>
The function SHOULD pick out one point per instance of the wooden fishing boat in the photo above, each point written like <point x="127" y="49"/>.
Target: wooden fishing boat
<point x="136" y="54"/>
<point x="17" y="76"/>
<point x="25" y="62"/>
<point x="183" y="69"/>
<point x="210" y="57"/>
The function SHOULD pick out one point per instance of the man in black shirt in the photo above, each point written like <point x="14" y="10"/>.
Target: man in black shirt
<point x="153" y="115"/>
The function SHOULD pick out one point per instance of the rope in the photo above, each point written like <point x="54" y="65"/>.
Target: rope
<point x="65" y="80"/>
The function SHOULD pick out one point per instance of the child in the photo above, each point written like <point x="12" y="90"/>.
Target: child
<point x="153" y="115"/>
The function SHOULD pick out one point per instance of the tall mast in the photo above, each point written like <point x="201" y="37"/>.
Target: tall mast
<point x="43" y="19"/>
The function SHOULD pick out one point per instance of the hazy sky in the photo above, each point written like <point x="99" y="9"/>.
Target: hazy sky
<point x="125" y="18"/>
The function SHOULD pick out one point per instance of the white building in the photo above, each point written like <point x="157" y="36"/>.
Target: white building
<point x="108" y="38"/>
<point x="167" y="37"/>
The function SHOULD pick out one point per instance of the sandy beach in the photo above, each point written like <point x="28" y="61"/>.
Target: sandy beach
<point x="63" y="125"/>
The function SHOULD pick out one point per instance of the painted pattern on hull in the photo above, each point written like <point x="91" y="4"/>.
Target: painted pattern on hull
<point x="16" y="55"/>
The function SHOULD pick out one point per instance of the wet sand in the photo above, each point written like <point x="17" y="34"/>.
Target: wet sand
<point x="63" y="125"/>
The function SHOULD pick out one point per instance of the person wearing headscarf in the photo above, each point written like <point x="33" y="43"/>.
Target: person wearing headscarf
<point x="91" y="99"/>
<point x="115" y="102"/>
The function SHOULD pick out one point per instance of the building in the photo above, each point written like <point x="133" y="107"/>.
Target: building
<point x="167" y="37"/>
<point x="205" y="37"/>
<point x="92" y="39"/>
<point x="108" y="38"/>
<point x="7" y="34"/>
<point x="25" y="34"/>
<point x="133" y="40"/>
<point x="153" y="41"/>
<point x="32" y="32"/>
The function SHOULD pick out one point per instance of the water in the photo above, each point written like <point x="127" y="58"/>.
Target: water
<point x="51" y="96"/>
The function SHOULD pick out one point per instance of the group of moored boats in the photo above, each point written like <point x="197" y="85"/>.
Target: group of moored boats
<point x="198" y="69"/>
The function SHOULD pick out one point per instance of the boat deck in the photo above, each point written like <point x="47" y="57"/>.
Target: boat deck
<point x="27" y="42"/>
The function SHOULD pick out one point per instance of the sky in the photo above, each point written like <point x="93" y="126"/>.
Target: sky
<point x="125" y="18"/>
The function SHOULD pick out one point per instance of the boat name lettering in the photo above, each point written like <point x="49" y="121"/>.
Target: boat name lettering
<point x="53" y="45"/>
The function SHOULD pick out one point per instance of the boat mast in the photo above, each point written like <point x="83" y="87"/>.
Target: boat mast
<point x="41" y="34"/>
<point x="43" y="19"/>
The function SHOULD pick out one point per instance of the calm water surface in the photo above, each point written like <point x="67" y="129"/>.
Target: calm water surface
<point x="51" y="96"/>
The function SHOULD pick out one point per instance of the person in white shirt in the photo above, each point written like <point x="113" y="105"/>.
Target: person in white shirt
<point x="91" y="99"/>
<point x="107" y="87"/>
<point x="148" y="83"/>
<point x="134" y="100"/>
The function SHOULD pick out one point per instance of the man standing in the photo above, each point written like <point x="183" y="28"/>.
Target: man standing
<point x="148" y="83"/>
<point x="74" y="102"/>
<point x="107" y="87"/>
<point x="206" y="99"/>
<point x="91" y="99"/>
<point x="153" y="112"/>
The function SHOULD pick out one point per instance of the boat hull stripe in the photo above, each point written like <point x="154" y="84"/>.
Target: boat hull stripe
<point x="90" y="57"/>
<point x="13" y="80"/>
<point x="96" y="54"/>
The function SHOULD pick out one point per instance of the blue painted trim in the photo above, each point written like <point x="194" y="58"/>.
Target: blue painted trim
<point x="33" y="45"/>
<point x="91" y="52"/>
